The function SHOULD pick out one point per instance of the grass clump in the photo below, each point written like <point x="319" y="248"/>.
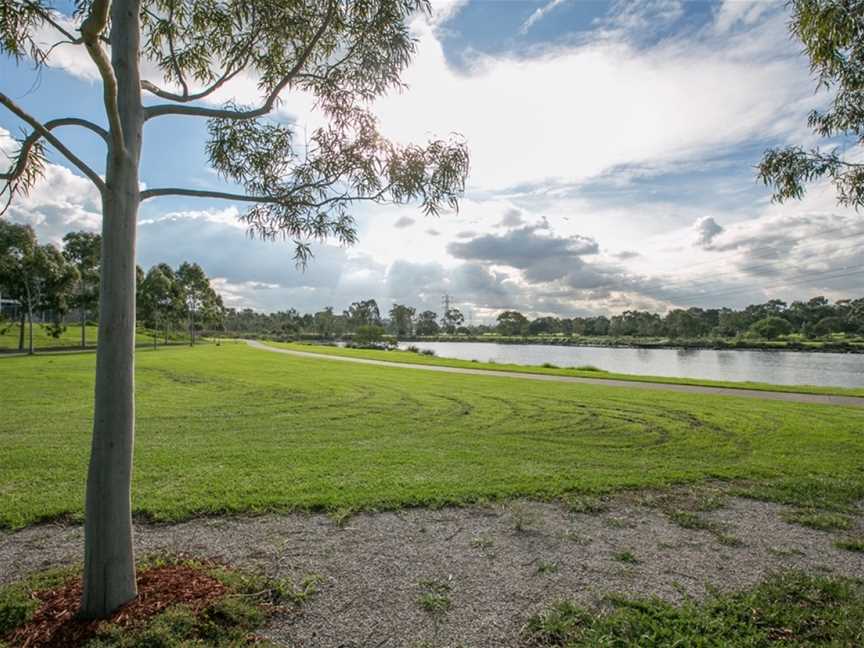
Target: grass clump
<point x="820" y="520"/>
<point x="851" y="544"/>
<point x="586" y="504"/>
<point x="787" y="610"/>
<point x="546" y="567"/>
<point x="826" y="492"/>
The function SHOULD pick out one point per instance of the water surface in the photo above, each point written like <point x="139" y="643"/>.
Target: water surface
<point x="778" y="367"/>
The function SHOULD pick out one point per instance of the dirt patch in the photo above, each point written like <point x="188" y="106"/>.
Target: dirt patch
<point x="55" y="623"/>
<point x="472" y="576"/>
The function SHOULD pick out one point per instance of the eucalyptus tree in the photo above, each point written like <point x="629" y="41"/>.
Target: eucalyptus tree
<point x="84" y="250"/>
<point x="157" y="300"/>
<point x="427" y="323"/>
<point x="451" y="320"/>
<point x="402" y="319"/>
<point x="17" y="247"/>
<point x="341" y="53"/>
<point x="832" y="32"/>
<point x="37" y="276"/>
<point x="197" y="294"/>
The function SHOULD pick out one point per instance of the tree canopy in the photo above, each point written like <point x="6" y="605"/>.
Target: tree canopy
<point x="832" y="32"/>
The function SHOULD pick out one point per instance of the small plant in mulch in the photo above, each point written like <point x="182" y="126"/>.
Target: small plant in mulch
<point x="180" y="602"/>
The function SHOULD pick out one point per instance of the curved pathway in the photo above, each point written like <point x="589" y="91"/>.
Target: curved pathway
<point x="815" y="399"/>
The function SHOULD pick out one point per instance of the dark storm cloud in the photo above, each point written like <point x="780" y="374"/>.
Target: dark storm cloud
<point x="541" y="256"/>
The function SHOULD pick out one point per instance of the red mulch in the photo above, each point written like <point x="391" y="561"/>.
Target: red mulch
<point x="55" y="624"/>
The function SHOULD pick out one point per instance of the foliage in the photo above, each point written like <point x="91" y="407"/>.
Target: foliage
<point x="427" y="323"/>
<point x="791" y="609"/>
<point x="369" y="334"/>
<point x="465" y="438"/>
<point x="402" y="320"/>
<point x="770" y="328"/>
<point x="832" y="32"/>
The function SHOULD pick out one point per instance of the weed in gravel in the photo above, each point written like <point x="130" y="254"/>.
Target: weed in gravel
<point x="625" y="557"/>
<point x="785" y="552"/>
<point x="585" y="504"/>
<point x="821" y="520"/>
<point x="789" y="609"/>
<point x="522" y="515"/>
<point x="850" y="544"/>
<point x="688" y="519"/>
<point x="576" y="538"/>
<point x="615" y="522"/>
<point x="434" y="597"/>
<point x="728" y="539"/>
<point x="546" y="567"/>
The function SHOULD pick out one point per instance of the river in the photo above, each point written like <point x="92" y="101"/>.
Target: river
<point x="777" y="367"/>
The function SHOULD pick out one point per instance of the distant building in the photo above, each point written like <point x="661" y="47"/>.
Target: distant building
<point x="9" y="308"/>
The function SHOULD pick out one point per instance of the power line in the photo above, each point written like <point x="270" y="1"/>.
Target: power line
<point x="814" y="277"/>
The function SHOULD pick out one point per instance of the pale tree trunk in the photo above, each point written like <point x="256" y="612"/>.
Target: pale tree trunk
<point x="29" y="319"/>
<point x="109" y="564"/>
<point x="23" y="318"/>
<point x="83" y="319"/>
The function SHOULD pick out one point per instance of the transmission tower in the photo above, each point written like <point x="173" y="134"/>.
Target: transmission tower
<point x="445" y="302"/>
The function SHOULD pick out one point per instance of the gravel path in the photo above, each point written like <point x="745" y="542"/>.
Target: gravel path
<point x="816" y="399"/>
<point x="496" y="564"/>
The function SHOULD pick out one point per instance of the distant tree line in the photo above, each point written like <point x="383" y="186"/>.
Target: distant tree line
<point x="53" y="286"/>
<point x="817" y="317"/>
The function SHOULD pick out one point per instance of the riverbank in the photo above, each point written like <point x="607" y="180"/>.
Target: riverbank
<point x="836" y="345"/>
<point x="586" y="372"/>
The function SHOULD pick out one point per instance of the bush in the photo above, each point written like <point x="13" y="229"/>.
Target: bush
<point x="428" y="352"/>
<point x="368" y="334"/>
<point x="770" y="328"/>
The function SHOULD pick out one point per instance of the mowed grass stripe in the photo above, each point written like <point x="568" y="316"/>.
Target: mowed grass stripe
<point x="232" y="429"/>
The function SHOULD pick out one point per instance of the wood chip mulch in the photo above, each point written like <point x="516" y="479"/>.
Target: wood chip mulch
<point x="55" y="623"/>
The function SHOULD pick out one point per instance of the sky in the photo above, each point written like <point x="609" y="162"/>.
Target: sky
<point x="613" y="151"/>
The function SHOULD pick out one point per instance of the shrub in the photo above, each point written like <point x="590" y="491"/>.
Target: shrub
<point x="368" y="334"/>
<point x="770" y="328"/>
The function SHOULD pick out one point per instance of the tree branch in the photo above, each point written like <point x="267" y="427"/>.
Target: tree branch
<point x="284" y="198"/>
<point x="45" y="132"/>
<point x="265" y="108"/>
<point x="31" y="139"/>
<point x="186" y="97"/>
<point x="91" y="31"/>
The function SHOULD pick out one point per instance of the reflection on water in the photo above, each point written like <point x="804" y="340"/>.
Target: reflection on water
<point x="779" y="367"/>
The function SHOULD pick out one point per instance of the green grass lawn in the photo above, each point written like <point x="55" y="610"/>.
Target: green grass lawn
<point x="407" y="357"/>
<point x="70" y="338"/>
<point x="231" y="429"/>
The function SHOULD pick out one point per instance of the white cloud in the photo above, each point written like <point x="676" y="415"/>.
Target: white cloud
<point x="59" y="203"/>
<point x="539" y="14"/>
<point x="577" y="111"/>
